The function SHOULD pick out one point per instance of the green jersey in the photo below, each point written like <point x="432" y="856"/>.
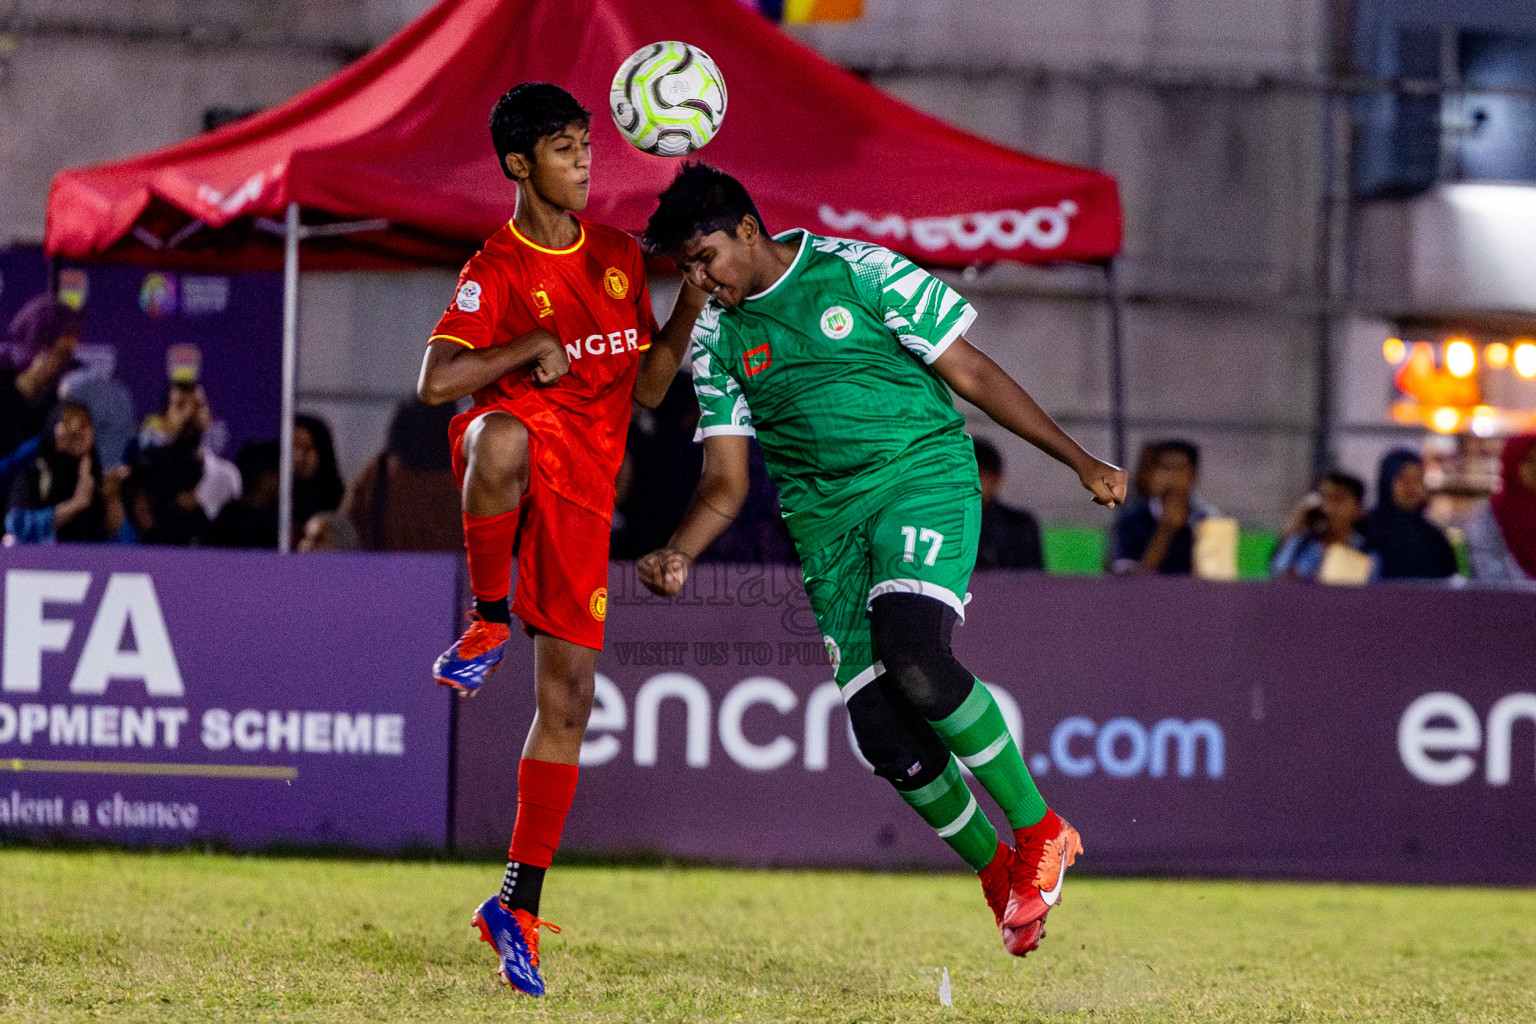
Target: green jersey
<point x="830" y="368"/>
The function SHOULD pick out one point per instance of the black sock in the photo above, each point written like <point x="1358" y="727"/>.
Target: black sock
<point x="521" y="887"/>
<point x="494" y="611"/>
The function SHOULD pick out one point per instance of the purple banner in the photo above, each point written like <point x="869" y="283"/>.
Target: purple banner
<point x="161" y="696"/>
<point x="222" y="329"/>
<point x="1227" y="729"/>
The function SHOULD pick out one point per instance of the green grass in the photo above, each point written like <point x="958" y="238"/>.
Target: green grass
<point x="190" y="937"/>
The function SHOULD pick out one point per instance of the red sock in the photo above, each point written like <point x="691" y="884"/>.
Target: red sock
<point x="489" y="542"/>
<point x="544" y="793"/>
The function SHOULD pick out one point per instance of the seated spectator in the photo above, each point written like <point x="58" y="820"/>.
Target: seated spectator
<point x="1407" y="545"/>
<point x="406" y="498"/>
<point x="57" y="495"/>
<point x="1501" y="536"/>
<point x="250" y="521"/>
<point x="1010" y="537"/>
<point x="43" y="336"/>
<point x="327" y="531"/>
<point x="1328" y="517"/>
<point x="186" y="417"/>
<point x="316" y="481"/>
<point x="1158" y="534"/>
<point x="160" y="496"/>
<point x="95" y="386"/>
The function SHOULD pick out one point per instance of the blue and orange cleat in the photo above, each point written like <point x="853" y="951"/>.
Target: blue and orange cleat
<point x="515" y="936"/>
<point x="465" y="665"/>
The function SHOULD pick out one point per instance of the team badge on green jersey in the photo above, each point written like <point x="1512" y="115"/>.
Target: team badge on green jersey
<point x="836" y="322"/>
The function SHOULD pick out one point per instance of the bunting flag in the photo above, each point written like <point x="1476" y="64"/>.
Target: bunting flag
<point x="800" y="11"/>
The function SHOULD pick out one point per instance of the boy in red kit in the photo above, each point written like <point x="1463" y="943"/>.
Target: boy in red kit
<point x="551" y="331"/>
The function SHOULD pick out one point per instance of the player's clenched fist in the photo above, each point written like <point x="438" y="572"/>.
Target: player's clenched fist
<point x="664" y="571"/>
<point x="1106" y="481"/>
<point x="552" y="364"/>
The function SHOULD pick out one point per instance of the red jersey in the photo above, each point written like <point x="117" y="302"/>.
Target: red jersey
<point x="594" y="298"/>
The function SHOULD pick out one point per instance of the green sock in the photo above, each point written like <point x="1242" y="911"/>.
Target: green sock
<point x="946" y="804"/>
<point x="978" y="736"/>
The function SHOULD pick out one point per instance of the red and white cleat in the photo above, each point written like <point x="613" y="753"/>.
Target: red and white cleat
<point x="1043" y="853"/>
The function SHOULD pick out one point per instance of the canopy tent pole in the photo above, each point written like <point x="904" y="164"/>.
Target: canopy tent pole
<point x="291" y="233"/>
<point x="1116" y="363"/>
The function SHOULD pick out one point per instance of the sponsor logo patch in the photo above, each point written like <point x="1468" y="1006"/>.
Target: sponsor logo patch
<point x="836" y="323"/>
<point x="598" y="604"/>
<point x="468" y="298"/>
<point x="615" y="283"/>
<point x="541" y="303"/>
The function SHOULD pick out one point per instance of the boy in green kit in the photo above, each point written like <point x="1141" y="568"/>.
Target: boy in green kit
<point x="840" y="357"/>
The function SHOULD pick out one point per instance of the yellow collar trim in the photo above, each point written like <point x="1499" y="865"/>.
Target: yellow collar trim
<point x="581" y="236"/>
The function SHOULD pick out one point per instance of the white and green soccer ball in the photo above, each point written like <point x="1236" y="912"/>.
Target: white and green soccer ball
<point x="668" y="98"/>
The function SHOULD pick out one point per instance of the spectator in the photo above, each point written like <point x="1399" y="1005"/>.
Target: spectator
<point x="43" y="337"/>
<point x="160" y="496"/>
<point x="317" y="483"/>
<point x="1407" y="544"/>
<point x="1328" y="517"/>
<point x="95" y="386"/>
<point x="1501" y="536"/>
<point x="1158" y="534"/>
<point x="406" y="497"/>
<point x="250" y="521"/>
<point x="58" y="495"/>
<point x="327" y="531"/>
<point x="186" y="417"/>
<point x="1010" y="537"/>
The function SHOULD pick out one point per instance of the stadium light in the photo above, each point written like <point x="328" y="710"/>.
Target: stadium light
<point x="1394" y="350"/>
<point x="1496" y="355"/>
<point x="1445" y="420"/>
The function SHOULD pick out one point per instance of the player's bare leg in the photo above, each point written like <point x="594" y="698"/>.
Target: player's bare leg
<point x="495" y="479"/>
<point x="564" y="675"/>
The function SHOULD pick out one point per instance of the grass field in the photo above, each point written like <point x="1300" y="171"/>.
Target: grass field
<point x="194" y="937"/>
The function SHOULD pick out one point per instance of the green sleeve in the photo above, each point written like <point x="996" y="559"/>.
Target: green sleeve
<point x="924" y="313"/>
<point x="722" y="406"/>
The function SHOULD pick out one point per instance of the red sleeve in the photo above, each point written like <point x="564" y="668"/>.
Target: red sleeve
<point x="645" y="315"/>
<point x="479" y="307"/>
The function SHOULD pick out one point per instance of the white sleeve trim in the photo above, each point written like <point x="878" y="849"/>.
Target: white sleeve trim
<point x="961" y="326"/>
<point x="724" y="429"/>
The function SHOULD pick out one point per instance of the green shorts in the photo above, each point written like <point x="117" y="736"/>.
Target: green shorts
<point x="919" y="542"/>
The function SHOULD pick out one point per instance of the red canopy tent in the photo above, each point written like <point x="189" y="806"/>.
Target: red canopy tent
<point x="398" y="141"/>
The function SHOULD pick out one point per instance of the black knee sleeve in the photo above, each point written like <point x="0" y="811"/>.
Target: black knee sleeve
<point x="912" y="635"/>
<point x="902" y="747"/>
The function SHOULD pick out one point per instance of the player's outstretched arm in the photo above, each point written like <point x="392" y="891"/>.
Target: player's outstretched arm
<point x="659" y="363"/>
<point x="721" y="492"/>
<point x="449" y="370"/>
<point x="973" y="376"/>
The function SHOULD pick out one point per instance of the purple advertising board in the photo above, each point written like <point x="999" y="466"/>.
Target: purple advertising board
<point x="154" y="696"/>
<point x="222" y="329"/>
<point x="1384" y="733"/>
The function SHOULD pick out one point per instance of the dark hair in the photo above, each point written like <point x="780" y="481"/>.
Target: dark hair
<point x="37" y="325"/>
<point x="988" y="458"/>
<point x="527" y="113"/>
<point x="325" y="490"/>
<point x="257" y="458"/>
<point x="1188" y="449"/>
<point x="700" y="201"/>
<point x="1351" y="483"/>
<point x="418" y="434"/>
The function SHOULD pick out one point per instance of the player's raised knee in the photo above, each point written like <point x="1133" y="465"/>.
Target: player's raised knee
<point x="497" y="450"/>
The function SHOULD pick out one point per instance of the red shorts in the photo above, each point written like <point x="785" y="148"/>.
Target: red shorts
<point x="562" y="557"/>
